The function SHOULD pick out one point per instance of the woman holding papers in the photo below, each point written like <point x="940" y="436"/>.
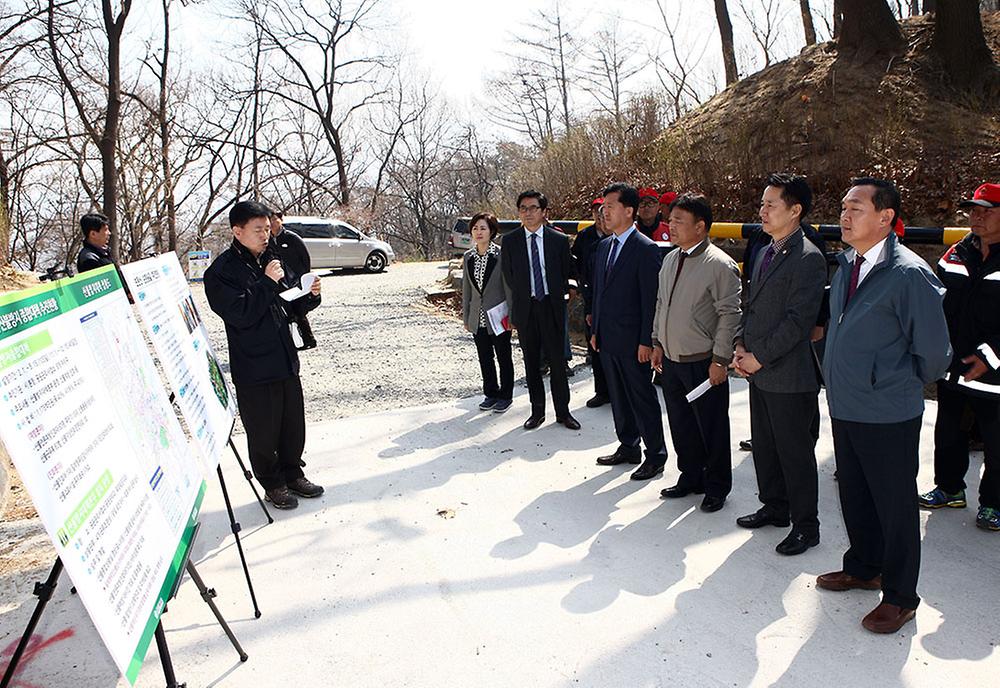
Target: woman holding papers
<point x="484" y="312"/>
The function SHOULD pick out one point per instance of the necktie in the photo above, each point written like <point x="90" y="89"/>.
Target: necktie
<point x="855" y="275"/>
<point x="677" y="276"/>
<point x="765" y="262"/>
<point x="536" y="269"/>
<point x="613" y="254"/>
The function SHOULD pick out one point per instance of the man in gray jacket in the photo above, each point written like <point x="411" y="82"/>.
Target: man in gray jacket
<point x="773" y="349"/>
<point x="697" y="312"/>
<point x="887" y="338"/>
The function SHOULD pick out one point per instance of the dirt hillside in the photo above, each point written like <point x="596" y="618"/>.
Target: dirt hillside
<point x="831" y="119"/>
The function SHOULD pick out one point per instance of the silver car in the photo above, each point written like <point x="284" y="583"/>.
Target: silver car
<point x="336" y="244"/>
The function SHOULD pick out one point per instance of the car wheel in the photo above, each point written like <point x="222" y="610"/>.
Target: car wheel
<point x="375" y="262"/>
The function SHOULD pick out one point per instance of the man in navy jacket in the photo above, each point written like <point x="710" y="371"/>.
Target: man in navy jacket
<point x="626" y="271"/>
<point x="887" y="339"/>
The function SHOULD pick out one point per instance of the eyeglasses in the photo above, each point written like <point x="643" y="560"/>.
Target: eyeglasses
<point x="528" y="208"/>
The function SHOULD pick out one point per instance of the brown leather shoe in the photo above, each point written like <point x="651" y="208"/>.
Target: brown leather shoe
<point x="887" y="618"/>
<point x="840" y="581"/>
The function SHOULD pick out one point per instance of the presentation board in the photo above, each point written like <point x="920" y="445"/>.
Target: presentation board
<point x="175" y="328"/>
<point x="198" y="262"/>
<point x="89" y="426"/>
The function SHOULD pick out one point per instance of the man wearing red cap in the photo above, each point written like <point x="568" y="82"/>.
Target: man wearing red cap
<point x="649" y="220"/>
<point x="584" y="246"/>
<point x="970" y="271"/>
<point x="663" y="231"/>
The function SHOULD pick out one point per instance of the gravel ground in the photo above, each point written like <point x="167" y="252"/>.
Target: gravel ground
<point x="381" y="346"/>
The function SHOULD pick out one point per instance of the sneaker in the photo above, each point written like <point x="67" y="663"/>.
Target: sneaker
<point x="937" y="498"/>
<point x="303" y="488"/>
<point x="487" y="403"/>
<point x="502" y="405"/>
<point x="988" y="518"/>
<point x="281" y="498"/>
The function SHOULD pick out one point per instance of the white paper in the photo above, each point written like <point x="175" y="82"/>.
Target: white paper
<point x="298" y="292"/>
<point x="497" y="316"/>
<point x="698" y="391"/>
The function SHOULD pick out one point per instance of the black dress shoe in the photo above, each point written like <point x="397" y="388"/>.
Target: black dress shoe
<point x="797" y="543"/>
<point x="646" y="471"/>
<point x="621" y="455"/>
<point x="533" y="422"/>
<point x="761" y="518"/>
<point x="569" y="421"/>
<point x="597" y="401"/>
<point x="746" y="445"/>
<point x="678" y="491"/>
<point x="710" y="503"/>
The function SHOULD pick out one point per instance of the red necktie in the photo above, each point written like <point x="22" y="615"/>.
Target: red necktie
<point x="855" y="274"/>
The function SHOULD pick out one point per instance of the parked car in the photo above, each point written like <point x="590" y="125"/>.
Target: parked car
<point x="336" y="244"/>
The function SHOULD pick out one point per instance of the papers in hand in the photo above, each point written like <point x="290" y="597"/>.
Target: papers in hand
<point x="298" y="292"/>
<point x="698" y="391"/>
<point x="499" y="318"/>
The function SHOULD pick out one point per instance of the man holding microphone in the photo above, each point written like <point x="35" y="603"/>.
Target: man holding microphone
<point x="243" y="286"/>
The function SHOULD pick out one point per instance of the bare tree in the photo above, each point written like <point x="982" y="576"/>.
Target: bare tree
<point x="869" y="28"/>
<point x="807" y="22"/>
<point x="104" y="137"/>
<point x="959" y="40"/>
<point x="676" y="76"/>
<point x="317" y="70"/>
<point x="728" y="46"/>
<point x="764" y="25"/>
<point x="610" y="65"/>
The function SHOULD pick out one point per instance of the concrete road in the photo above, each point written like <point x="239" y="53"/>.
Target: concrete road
<point x="542" y="570"/>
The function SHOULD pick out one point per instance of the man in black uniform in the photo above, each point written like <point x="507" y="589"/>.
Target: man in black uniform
<point x="295" y="255"/>
<point x="583" y="249"/>
<point x="243" y="286"/>
<point x="96" y="235"/>
<point x="970" y="271"/>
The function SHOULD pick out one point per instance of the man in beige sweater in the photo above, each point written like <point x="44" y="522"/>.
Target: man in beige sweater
<point x="697" y="312"/>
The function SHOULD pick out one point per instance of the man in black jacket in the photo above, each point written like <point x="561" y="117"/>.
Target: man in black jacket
<point x="243" y="286"/>
<point x="537" y="268"/>
<point x="295" y="255"/>
<point x="94" y="253"/>
<point x="970" y="271"/>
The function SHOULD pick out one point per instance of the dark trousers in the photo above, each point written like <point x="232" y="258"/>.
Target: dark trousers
<point x="542" y="333"/>
<point x="634" y="405"/>
<point x="784" y="454"/>
<point x="877" y="478"/>
<point x="600" y="381"/>
<point x="951" y="442"/>
<point x="488" y="345"/>
<point x="699" y="431"/>
<point x="274" y="417"/>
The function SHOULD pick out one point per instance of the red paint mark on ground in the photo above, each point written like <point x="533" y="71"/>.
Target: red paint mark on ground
<point x="36" y="644"/>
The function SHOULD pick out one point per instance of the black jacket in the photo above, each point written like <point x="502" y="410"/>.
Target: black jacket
<point x="972" y="309"/>
<point x="583" y="250"/>
<point x="92" y="257"/>
<point x="260" y="344"/>
<point x="515" y="266"/>
<point x="293" y="251"/>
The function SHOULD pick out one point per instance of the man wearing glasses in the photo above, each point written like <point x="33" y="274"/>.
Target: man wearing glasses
<point x="537" y="267"/>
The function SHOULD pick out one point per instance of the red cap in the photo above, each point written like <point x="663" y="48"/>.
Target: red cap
<point x="986" y="196"/>
<point x="667" y="198"/>
<point x="898" y="228"/>
<point x="648" y="193"/>
<point x="597" y="201"/>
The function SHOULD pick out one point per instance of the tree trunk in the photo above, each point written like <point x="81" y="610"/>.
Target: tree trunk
<point x="807" y="22"/>
<point x="959" y="40"/>
<point x="838" y="18"/>
<point x="869" y="29"/>
<point x="930" y="6"/>
<point x="168" y="174"/>
<point x="109" y="136"/>
<point x="728" y="47"/>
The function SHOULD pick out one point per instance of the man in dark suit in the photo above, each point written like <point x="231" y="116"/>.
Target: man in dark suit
<point x="773" y="350"/>
<point x="626" y="270"/>
<point x="537" y="267"/>
<point x="584" y="247"/>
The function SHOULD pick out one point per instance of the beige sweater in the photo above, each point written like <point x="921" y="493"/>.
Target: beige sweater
<point x="699" y="317"/>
